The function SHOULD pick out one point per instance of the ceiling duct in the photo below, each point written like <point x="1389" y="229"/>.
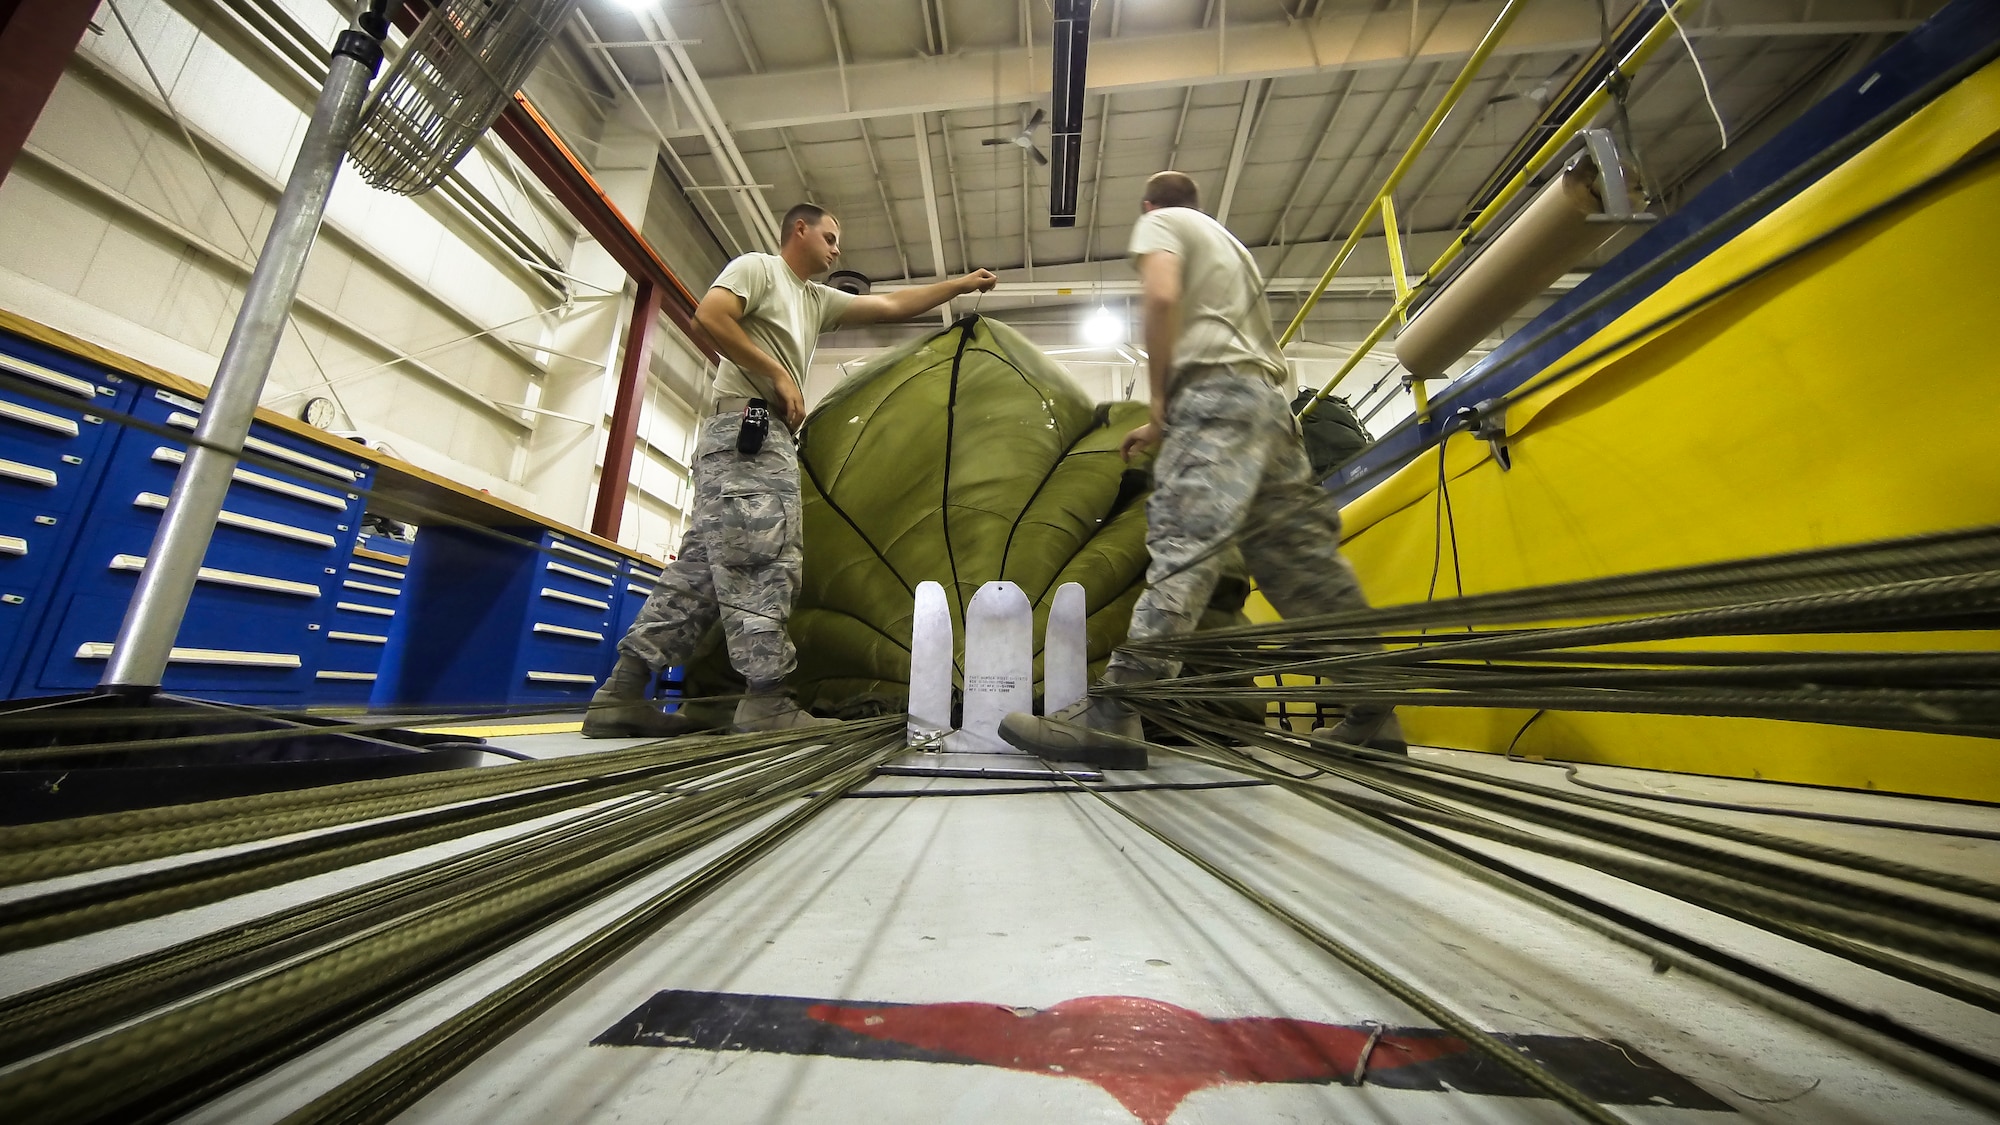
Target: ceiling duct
<point x="1072" y="50"/>
<point x="850" y="282"/>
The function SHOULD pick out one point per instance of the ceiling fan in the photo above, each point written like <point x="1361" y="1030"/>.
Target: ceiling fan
<point x="1024" y="139"/>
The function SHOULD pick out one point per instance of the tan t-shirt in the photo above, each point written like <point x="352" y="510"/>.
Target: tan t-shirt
<point x="782" y="315"/>
<point x="1224" y="319"/>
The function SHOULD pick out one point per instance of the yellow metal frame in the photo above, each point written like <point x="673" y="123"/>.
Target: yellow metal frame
<point x="1382" y="205"/>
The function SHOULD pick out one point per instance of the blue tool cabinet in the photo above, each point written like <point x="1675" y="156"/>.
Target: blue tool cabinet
<point x="254" y="627"/>
<point x="293" y="607"/>
<point x="359" y="622"/>
<point x="51" y="456"/>
<point x="525" y="619"/>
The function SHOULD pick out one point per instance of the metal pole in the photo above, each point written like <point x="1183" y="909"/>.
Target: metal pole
<point x="146" y="637"/>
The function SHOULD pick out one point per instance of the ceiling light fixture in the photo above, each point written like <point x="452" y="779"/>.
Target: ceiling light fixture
<point x="1104" y="327"/>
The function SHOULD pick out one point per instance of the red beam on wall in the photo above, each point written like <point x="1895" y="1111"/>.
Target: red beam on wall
<point x="37" y="37"/>
<point x="610" y="508"/>
<point x="529" y="135"/>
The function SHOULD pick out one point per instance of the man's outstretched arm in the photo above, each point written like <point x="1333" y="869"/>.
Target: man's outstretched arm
<point x="916" y="301"/>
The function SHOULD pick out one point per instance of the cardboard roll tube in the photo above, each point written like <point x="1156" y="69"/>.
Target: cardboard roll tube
<point x="1552" y="234"/>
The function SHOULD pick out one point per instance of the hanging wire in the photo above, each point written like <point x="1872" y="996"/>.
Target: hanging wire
<point x="1701" y="74"/>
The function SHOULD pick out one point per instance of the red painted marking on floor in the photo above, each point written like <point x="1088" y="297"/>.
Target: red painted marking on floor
<point x="1146" y="1053"/>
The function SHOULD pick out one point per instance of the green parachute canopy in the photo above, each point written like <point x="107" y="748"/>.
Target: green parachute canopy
<point x="962" y="458"/>
<point x="965" y="458"/>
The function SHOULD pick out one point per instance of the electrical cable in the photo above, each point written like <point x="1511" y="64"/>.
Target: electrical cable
<point x="1701" y="75"/>
<point x="1572" y="774"/>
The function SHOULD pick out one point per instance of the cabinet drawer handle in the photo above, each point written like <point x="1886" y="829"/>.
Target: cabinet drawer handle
<point x="273" y="449"/>
<point x="220" y="577"/>
<point x="33" y="474"/>
<point x="371" y="588"/>
<point x="81" y="388"/>
<point x="573" y="572"/>
<point x="561" y="678"/>
<point x="101" y="650"/>
<point x="574" y="599"/>
<point x="40" y="419"/>
<point x="566" y="631"/>
<point x="167" y="455"/>
<point x="556" y="544"/>
<point x="358" y="638"/>
<point x="247" y="523"/>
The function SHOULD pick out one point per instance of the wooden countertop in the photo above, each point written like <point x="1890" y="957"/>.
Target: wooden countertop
<point x="401" y="491"/>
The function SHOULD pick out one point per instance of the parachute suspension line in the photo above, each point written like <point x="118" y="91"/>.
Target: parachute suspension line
<point x="950" y="440"/>
<point x="1509" y="1058"/>
<point x="826" y="497"/>
<point x="1541" y="668"/>
<point x="216" y="1011"/>
<point x="399" y="1080"/>
<point x="1781" y="898"/>
<point x="26" y="724"/>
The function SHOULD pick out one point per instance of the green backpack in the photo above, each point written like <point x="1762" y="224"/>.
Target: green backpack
<point x="1333" y="434"/>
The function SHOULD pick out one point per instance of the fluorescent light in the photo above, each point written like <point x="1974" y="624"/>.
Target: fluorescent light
<point x="1104" y="327"/>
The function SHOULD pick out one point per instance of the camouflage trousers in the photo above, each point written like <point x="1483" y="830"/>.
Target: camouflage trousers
<point x="739" y="562"/>
<point x="1232" y="469"/>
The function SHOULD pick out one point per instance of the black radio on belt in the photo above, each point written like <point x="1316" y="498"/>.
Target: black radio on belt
<point x="756" y="423"/>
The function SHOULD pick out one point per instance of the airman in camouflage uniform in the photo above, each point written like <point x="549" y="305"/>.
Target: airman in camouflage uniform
<point x="1232" y="468"/>
<point x="740" y="560"/>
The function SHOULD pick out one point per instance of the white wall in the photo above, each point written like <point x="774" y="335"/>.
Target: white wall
<point x="411" y="314"/>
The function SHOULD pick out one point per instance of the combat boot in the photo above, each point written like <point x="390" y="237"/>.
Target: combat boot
<point x="1376" y="728"/>
<point x="1094" y="730"/>
<point x="620" y="708"/>
<point x="762" y="711"/>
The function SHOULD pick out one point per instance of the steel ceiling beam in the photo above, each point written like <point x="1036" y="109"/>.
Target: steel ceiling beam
<point x="1240" y="147"/>
<point x="923" y="138"/>
<point x="957" y="207"/>
<point x="1325" y="45"/>
<point x="711" y="124"/>
<point x="532" y="140"/>
<point x="888" y="207"/>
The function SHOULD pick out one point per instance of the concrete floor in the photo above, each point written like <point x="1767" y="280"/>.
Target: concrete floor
<point x="1015" y="909"/>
